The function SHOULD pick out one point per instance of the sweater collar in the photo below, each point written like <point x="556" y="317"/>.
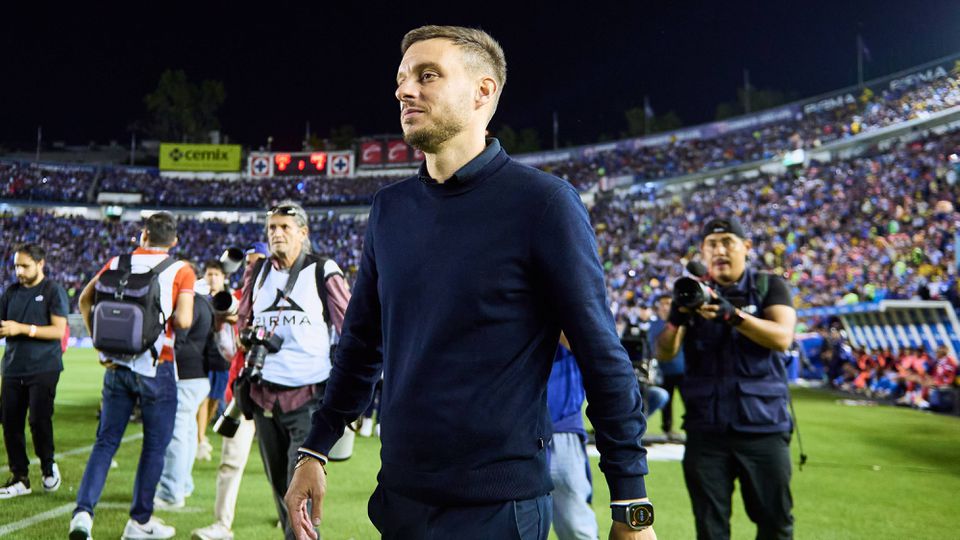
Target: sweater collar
<point x="467" y="177"/>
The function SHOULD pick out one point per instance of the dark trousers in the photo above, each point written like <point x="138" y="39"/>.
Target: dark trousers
<point x="280" y="434"/>
<point x="761" y="462"/>
<point x="670" y="383"/>
<point x="20" y="394"/>
<point x="401" y="518"/>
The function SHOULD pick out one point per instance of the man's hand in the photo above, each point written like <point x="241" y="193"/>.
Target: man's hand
<point x="12" y="328"/>
<point x="309" y="483"/>
<point x="620" y="531"/>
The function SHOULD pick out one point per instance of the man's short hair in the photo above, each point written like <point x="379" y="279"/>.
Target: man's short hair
<point x="214" y="264"/>
<point x="34" y="251"/>
<point x="479" y="47"/>
<point x="162" y="229"/>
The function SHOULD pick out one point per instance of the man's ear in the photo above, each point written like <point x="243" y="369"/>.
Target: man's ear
<point x="487" y="91"/>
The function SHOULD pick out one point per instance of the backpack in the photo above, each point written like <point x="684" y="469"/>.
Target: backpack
<point x="127" y="314"/>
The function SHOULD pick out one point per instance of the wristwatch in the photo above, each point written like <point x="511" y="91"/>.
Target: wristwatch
<point x="636" y="515"/>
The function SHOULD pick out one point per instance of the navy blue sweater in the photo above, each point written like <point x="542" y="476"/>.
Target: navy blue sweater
<point x="466" y="286"/>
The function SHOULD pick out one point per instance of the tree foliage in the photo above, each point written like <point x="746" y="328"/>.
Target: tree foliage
<point x="183" y="111"/>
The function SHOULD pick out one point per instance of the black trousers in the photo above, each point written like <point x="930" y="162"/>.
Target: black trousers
<point x="280" y="434"/>
<point x="36" y="394"/>
<point x="670" y="384"/>
<point x="761" y="462"/>
<point x="402" y="518"/>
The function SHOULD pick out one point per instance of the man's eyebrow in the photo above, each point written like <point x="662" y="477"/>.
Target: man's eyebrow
<point x="417" y="68"/>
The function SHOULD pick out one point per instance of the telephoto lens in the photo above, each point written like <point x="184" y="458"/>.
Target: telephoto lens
<point x="225" y="304"/>
<point x="231" y="260"/>
<point x="229" y="421"/>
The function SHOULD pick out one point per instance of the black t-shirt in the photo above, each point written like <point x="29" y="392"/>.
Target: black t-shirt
<point x="32" y="305"/>
<point x="778" y="293"/>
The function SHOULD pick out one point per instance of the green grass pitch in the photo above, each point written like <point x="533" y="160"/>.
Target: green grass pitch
<point x="874" y="472"/>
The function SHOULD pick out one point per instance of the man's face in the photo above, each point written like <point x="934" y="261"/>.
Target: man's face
<point x="725" y="255"/>
<point x="214" y="278"/>
<point x="645" y="313"/>
<point x="437" y="92"/>
<point x="27" y="269"/>
<point x="663" y="307"/>
<point x="285" y="236"/>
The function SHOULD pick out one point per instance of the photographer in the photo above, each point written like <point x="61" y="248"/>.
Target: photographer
<point x="293" y="294"/>
<point x="635" y="339"/>
<point x="735" y="388"/>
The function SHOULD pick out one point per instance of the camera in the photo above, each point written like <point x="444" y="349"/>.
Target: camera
<point x="691" y="293"/>
<point x="231" y="260"/>
<point x="225" y="304"/>
<point x="229" y="422"/>
<point x="259" y="343"/>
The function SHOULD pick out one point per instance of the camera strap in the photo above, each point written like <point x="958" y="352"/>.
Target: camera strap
<point x="287" y="289"/>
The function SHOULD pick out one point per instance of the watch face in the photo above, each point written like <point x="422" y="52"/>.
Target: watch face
<point x="641" y="515"/>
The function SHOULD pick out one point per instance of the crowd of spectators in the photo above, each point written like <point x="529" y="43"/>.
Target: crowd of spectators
<point x="866" y="113"/>
<point x="247" y="192"/>
<point x="870" y="228"/>
<point x="77" y="247"/>
<point x="875" y="227"/>
<point x="31" y="182"/>
<point x="911" y="376"/>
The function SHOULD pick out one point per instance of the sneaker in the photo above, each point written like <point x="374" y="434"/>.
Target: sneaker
<point x="80" y="526"/>
<point x="212" y="532"/>
<point x="366" y="428"/>
<point x="147" y="531"/>
<point x="52" y="482"/>
<point x="15" y="487"/>
<point x="204" y="451"/>
<point x="163" y="504"/>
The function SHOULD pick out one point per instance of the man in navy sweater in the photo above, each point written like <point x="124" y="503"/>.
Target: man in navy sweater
<point x="470" y="270"/>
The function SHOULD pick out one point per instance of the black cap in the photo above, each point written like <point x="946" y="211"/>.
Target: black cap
<point x="723" y="225"/>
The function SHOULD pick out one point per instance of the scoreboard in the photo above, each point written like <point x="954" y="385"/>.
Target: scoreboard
<point x="296" y="164"/>
<point x="300" y="164"/>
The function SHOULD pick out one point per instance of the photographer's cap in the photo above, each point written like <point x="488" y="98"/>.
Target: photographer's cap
<point x="257" y="247"/>
<point x="723" y="225"/>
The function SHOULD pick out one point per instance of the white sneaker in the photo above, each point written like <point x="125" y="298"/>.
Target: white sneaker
<point x="212" y="532"/>
<point x="15" y="488"/>
<point x="147" y="531"/>
<point x="366" y="428"/>
<point x="204" y="451"/>
<point x="163" y="504"/>
<point x="52" y="483"/>
<point x="80" y="526"/>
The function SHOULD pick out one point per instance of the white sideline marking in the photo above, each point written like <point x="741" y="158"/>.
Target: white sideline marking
<point x="68" y="508"/>
<point x="74" y="451"/>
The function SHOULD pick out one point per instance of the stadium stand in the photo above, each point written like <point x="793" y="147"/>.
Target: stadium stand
<point x="672" y="157"/>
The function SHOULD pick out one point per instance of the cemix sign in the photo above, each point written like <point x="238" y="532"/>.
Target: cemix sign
<point x="200" y="157"/>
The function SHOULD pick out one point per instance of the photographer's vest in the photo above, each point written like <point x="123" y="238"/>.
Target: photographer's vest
<point x="304" y="357"/>
<point x="732" y="383"/>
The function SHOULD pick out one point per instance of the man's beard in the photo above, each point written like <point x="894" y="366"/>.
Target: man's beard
<point x="429" y="139"/>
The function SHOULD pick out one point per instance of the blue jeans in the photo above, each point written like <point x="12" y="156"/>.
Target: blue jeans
<point x="654" y="398"/>
<point x="122" y="388"/>
<point x="401" y="518"/>
<point x="573" y="517"/>
<point x="176" y="481"/>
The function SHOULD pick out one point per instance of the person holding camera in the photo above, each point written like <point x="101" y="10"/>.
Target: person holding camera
<point x="296" y="297"/>
<point x="238" y="432"/>
<point x="733" y="326"/>
<point x="635" y="339"/>
<point x="225" y="338"/>
<point x="196" y="354"/>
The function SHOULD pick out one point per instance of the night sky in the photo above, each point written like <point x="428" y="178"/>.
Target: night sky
<point x="81" y="71"/>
